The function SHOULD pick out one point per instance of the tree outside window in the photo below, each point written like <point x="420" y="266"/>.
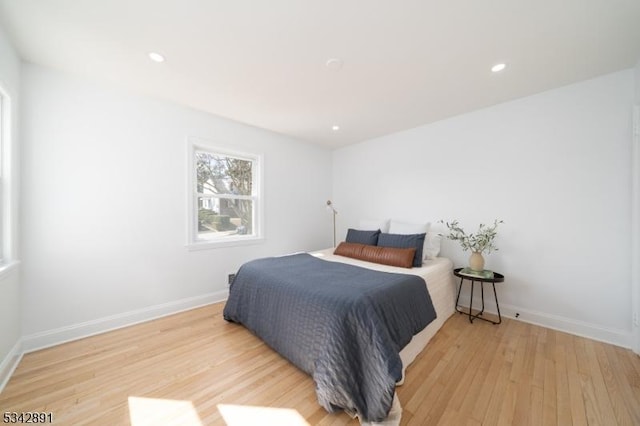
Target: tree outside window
<point x="226" y="196"/>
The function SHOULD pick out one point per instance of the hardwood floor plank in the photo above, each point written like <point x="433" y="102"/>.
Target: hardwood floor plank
<point x="563" y="398"/>
<point x="592" y="409"/>
<point x="550" y="396"/>
<point x="578" y="413"/>
<point x="625" y="382"/>
<point x="498" y="392"/>
<point x="536" y="406"/>
<point x="483" y="397"/>
<point x="598" y="382"/>
<point x="194" y="363"/>
<point x="524" y="379"/>
<point x="463" y="365"/>
<point x="484" y="374"/>
<point x="613" y="388"/>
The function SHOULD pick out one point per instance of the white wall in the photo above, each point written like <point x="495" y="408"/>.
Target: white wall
<point x="10" y="327"/>
<point x="555" y="167"/>
<point x="105" y="205"/>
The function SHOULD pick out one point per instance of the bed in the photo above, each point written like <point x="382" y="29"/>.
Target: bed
<point x="438" y="275"/>
<point x="355" y="369"/>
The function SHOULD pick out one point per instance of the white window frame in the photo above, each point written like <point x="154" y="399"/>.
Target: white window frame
<point x="635" y="228"/>
<point x="195" y="243"/>
<point x="4" y="127"/>
<point x="7" y="199"/>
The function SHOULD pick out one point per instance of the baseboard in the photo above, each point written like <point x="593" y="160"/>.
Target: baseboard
<point x="45" y="339"/>
<point x="9" y="364"/>
<point x="613" y="336"/>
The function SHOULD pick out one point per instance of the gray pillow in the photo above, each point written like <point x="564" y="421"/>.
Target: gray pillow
<point x="404" y="241"/>
<point x="369" y="238"/>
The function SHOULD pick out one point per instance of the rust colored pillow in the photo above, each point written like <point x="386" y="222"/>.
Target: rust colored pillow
<point x="391" y="256"/>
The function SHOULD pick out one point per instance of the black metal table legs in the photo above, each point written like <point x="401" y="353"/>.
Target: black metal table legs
<point x="478" y="315"/>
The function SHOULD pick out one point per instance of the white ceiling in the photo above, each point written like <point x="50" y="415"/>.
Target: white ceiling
<point x="405" y="63"/>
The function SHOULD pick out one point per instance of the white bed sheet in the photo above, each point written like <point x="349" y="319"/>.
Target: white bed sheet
<point x="437" y="273"/>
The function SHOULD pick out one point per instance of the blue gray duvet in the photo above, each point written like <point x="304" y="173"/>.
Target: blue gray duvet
<point x="342" y="324"/>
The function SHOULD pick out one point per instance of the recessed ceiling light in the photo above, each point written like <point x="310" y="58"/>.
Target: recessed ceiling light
<point x="335" y="128"/>
<point x="498" y="67"/>
<point x="334" y="64"/>
<point x="156" y="57"/>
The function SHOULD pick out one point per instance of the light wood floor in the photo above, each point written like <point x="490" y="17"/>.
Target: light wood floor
<point x="192" y="367"/>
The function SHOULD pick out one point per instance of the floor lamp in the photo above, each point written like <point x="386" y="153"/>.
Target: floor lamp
<point x="334" y="212"/>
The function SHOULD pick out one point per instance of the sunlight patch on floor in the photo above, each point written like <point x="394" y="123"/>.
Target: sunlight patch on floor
<point x="242" y="415"/>
<point x="153" y="411"/>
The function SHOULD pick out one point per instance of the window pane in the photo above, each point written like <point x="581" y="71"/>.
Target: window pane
<point x="222" y="217"/>
<point x="219" y="174"/>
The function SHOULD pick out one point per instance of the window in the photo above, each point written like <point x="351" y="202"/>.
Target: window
<point x="7" y="204"/>
<point x="225" y="204"/>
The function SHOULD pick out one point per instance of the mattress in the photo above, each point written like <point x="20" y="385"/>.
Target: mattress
<point x="438" y="275"/>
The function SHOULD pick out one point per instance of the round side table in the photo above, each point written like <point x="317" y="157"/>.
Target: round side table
<point x="497" y="278"/>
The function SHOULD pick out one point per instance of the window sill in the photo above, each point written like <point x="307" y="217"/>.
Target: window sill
<point x="8" y="267"/>
<point x="208" y="245"/>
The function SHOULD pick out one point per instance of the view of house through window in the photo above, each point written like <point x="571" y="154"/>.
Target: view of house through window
<point x="225" y="195"/>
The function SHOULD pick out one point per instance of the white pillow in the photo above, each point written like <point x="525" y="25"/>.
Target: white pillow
<point x="374" y="225"/>
<point x="431" y="247"/>
<point x="404" y="228"/>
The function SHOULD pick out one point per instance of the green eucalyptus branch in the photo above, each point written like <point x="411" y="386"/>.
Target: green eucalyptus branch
<point x="481" y="241"/>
